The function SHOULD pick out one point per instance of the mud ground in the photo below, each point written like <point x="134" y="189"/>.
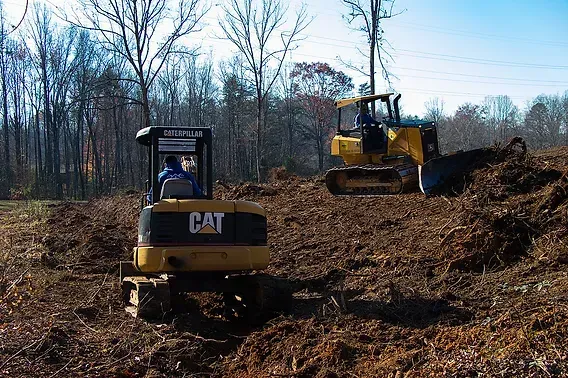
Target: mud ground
<point x="466" y="284"/>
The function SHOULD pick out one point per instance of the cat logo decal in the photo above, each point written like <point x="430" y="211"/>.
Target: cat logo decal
<point x="206" y="223"/>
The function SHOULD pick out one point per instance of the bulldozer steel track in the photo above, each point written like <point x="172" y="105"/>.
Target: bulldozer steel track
<point x="371" y="179"/>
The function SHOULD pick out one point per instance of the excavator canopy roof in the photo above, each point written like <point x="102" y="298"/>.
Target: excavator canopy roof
<point x="177" y="140"/>
<point x="145" y="135"/>
<point x="348" y="101"/>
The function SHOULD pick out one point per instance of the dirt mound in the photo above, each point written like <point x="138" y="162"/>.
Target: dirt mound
<point x="392" y="286"/>
<point x="280" y="174"/>
<point x="92" y="236"/>
<point x="504" y="172"/>
<point x="555" y="157"/>
<point x="510" y="204"/>
<point x="305" y="348"/>
<point x="245" y="191"/>
<point x="250" y="191"/>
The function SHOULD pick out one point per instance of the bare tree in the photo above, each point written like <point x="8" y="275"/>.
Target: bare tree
<point x="253" y="26"/>
<point x="87" y="56"/>
<point x="130" y="28"/>
<point x="167" y="93"/>
<point x="199" y="91"/>
<point x="41" y="32"/>
<point x="286" y="89"/>
<point x="544" y="121"/>
<point x="500" y="115"/>
<point x="19" y="64"/>
<point x="366" y="16"/>
<point x="465" y="129"/>
<point x="435" y="112"/>
<point x="238" y="107"/>
<point x="434" y="109"/>
<point x="4" y="56"/>
<point x="534" y="128"/>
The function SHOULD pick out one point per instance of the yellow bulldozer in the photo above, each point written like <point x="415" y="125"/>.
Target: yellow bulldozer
<point x="193" y="243"/>
<point x="395" y="156"/>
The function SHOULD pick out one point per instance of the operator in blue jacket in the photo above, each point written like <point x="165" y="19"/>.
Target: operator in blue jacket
<point x="366" y="117"/>
<point x="174" y="169"/>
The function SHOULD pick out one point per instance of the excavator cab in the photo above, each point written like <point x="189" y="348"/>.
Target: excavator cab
<point x="192" y="243"/>
<point x="178" y="141"/>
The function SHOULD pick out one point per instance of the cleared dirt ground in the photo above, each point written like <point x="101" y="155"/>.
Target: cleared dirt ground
<point x="466" y="284"/>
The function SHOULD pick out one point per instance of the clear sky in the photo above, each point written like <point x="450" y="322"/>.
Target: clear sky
<point x="459" y="51"/>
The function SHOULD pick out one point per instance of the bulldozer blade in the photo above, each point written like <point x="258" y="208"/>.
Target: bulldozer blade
<point x="435" y="172"/>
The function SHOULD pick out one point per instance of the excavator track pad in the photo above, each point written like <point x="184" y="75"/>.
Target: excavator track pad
<point x="260" y="295"/>
<point x="249" y="297"/>
<point x="146" y="297"/>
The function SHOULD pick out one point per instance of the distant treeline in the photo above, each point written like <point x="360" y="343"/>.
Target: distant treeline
<point x="543" y="123"/>
<point x="71" y="109"/>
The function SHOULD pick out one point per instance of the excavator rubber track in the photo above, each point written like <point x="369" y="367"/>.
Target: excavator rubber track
<point x="146" y="297"/>
<point x="371" y="179"/>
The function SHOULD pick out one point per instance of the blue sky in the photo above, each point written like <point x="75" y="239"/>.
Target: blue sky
<point x="519" y="48"/>
<point x="459" y="51"/>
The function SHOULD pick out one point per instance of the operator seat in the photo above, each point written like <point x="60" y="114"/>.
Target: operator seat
<point x="178" y="188"/>
<point x="374" y="139"/>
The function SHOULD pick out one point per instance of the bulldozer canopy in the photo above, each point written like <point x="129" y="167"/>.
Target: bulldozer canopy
<point x="348" y="101"/>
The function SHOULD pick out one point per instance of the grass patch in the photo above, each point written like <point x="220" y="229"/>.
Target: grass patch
<point x="6" y="205"/>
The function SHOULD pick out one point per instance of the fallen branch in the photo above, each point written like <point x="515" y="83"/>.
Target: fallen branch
<point x="444" y="227"/>
<point x="22" y="350"/>
<point x="108" y="364"/>
<point x="201" y="338"/>
<point x="14" y="283"/>
<point x="83" y="263"/>
<point x="60" y="370"/>
<point x="97" y="291"/>
<point x="85" y="324"/>
<point x="450" y="233"/>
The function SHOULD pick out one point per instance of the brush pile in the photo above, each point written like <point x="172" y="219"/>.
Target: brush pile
<point x="512" y="204"/>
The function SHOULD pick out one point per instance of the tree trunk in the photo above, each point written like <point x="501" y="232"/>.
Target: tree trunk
<point x="47" y="130"/>
<point x="39" y="165"/>
<point x="69" y="191"/>
<point x="290" y="128"/>
<point x="5" y="124"/>
<point x="374" y="26"/>
<point x="258" y="138"/>
<point x="320" y="154"/>
<point x="56" y="154"/>
<point x="117" y="150"/>
<point x="145" y="104"/>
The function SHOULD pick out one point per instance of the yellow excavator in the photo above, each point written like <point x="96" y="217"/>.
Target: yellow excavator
<point x="396" y="156"/>
<point x="189" y="242"/>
